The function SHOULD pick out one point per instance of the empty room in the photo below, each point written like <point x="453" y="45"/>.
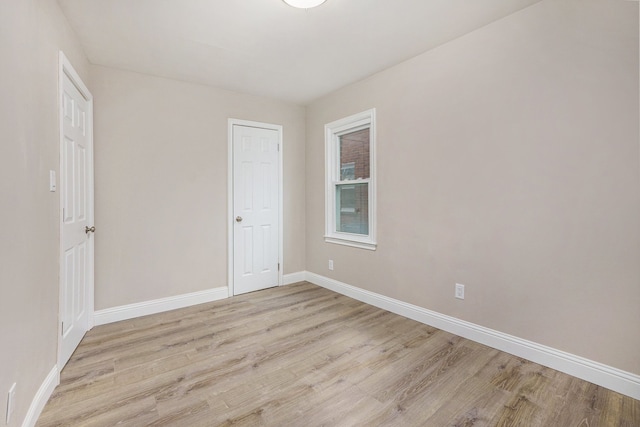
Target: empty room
<point x="320" y="213"/>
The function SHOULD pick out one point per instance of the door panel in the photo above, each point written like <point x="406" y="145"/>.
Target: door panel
<point x="76" y="267"/>
<point x="256" y="208"/>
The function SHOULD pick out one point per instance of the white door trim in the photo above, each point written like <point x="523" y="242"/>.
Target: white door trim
<point x="65" y="68"/>
<point x="230" y="216"/>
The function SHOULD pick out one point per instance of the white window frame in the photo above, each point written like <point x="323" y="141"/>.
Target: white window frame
<point x="333" y="131"/>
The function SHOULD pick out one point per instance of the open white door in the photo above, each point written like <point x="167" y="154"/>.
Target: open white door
<point x="76" y="211"/>
<point x="255" y="217"/>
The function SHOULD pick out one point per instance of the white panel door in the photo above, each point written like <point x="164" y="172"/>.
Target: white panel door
<point x="256" y="208"/>
<point x="76" y="186"/>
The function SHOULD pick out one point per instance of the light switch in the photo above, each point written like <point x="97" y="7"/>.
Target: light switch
<point x="52" y="181"/>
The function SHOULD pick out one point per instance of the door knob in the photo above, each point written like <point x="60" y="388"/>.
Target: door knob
<point x="91" y="229"/>
<point x="238" y="219"/>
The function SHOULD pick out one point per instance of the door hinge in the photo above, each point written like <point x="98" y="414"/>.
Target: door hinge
<point x="278" y="147"/>
<point x="278" y="266"/>
<point x="62" y="329"/>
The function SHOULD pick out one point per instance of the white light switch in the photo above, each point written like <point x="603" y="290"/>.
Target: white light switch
<point x="52" y="180"/>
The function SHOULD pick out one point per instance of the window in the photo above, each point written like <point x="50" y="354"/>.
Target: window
<point x="350" y="181"/>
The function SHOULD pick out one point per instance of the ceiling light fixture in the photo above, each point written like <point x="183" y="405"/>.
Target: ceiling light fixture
<point x="304" y="4"/>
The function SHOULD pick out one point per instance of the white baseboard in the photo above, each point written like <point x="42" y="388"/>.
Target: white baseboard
<point x="42" y="397"/>
<point x="130" y="311"/>
<point x="588" y="370"/>
<point x="296" y="277"/>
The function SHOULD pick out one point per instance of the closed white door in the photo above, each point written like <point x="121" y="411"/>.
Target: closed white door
<point x="76" y="195"/>
<point x="255" y="208"/>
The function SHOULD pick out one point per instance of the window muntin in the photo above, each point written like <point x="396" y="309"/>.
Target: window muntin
<point x="350" y="188"/>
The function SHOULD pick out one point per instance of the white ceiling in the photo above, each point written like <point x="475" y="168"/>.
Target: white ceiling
<point x="265" y="47"/>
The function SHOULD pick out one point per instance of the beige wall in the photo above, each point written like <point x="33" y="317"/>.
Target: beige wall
<point x="161" y="184"/>
<point x="508" y="161"/>
<point x="31" y="33"/>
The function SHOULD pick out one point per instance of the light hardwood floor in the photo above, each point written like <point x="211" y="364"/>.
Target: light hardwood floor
<point x="301" y="355"/>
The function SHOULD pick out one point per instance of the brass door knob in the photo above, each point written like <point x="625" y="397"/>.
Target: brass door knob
<point x="91" y="229"/>
<point x="238" y="219"/>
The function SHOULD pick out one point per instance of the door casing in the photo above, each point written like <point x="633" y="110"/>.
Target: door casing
<point x="66" y="69"/>
<point x="230" y="213"/>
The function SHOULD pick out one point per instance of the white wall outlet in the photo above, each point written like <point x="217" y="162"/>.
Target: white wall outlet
<point x="330" y="264"/>
<point x="11" y="402"/>
<point x="459" y="291"/>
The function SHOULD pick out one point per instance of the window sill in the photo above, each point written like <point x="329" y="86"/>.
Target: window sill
<point x="371" y="246"/>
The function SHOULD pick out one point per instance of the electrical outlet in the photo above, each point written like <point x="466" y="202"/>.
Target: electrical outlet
<point x="459" y="291"/>
<point x="11" y="402"/>
<point x="330" y="264"/>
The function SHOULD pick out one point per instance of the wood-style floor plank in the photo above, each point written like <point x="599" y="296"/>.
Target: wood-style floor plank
<point x="301" y="355"/>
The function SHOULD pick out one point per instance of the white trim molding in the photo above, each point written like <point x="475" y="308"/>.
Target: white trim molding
<point x="598" y="373"/>
<point x="131" y="311"/>
<point x="291" y="278"/>
<point x="42" y="397"/>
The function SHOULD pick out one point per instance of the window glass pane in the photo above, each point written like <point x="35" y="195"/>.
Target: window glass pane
<point x="352" y="208"/>
<point x="348" y="171"/>
<point x="354" y="155"/>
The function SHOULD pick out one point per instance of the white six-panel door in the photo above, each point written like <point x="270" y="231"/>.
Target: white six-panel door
<point x="76" y="196"/>
<point x="256" y="207"/>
